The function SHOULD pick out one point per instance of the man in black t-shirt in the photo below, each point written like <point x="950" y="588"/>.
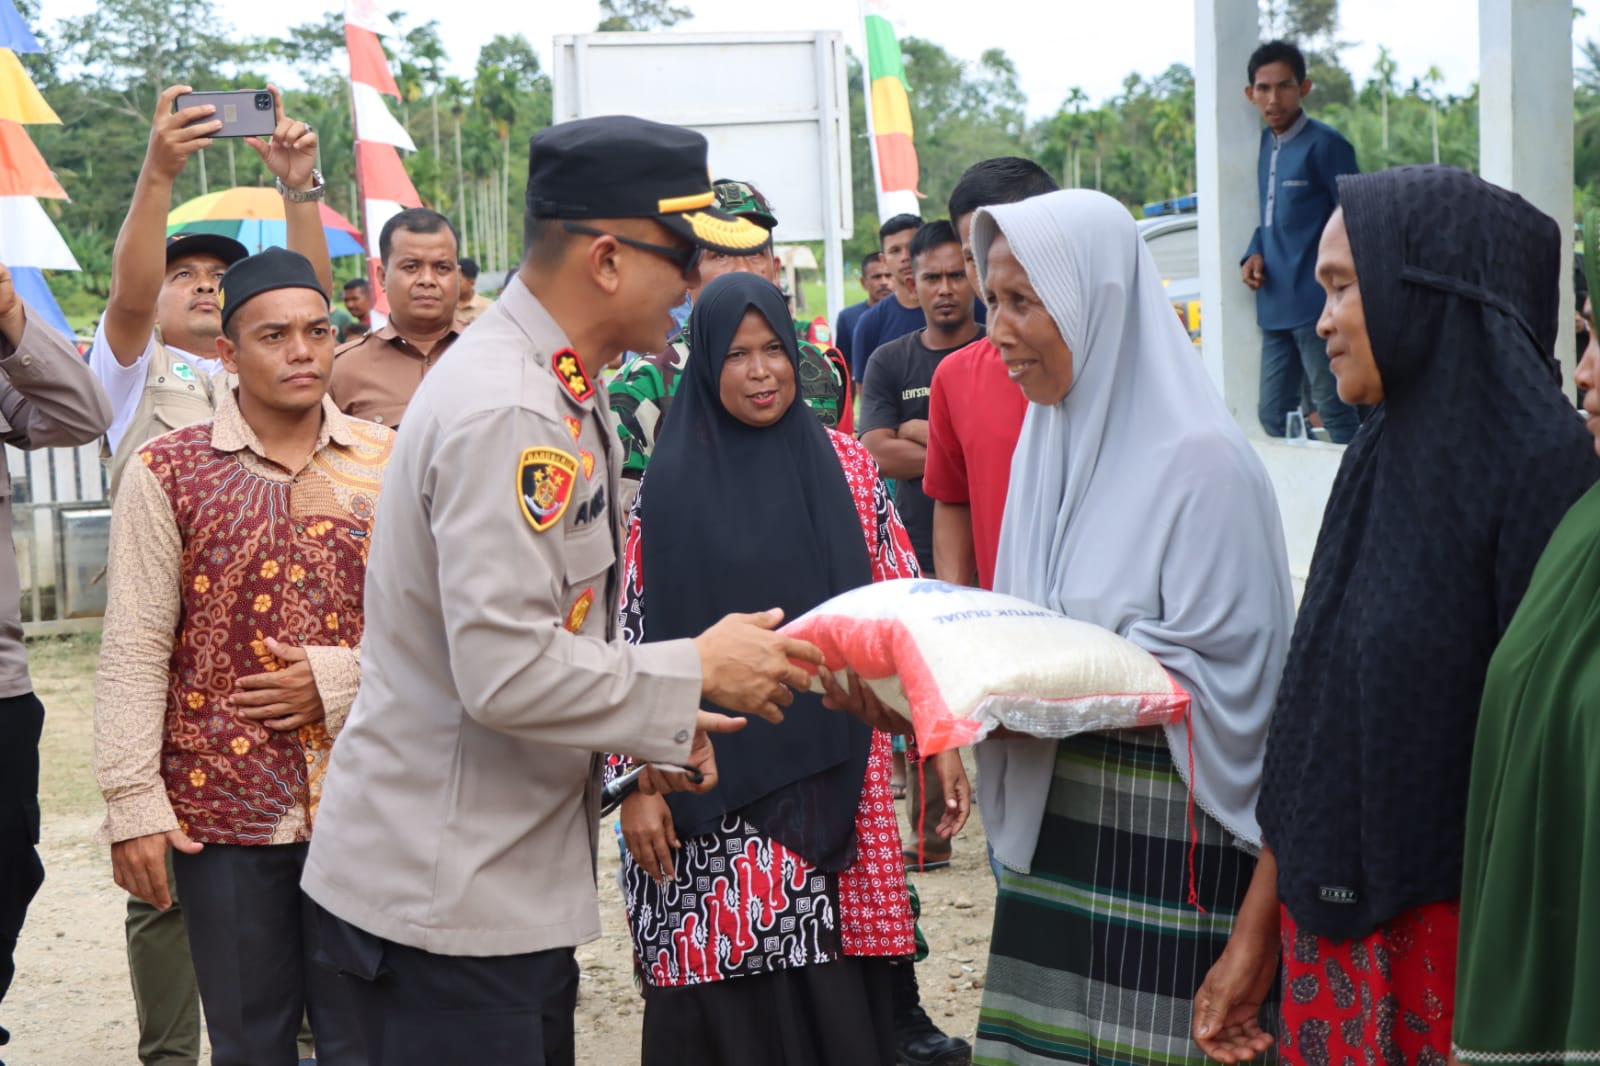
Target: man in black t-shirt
<point x="894" y="399"/>
<point x="894" y="427"/>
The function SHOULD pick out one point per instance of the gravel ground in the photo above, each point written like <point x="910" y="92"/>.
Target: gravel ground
<point x="70" y="1004"/>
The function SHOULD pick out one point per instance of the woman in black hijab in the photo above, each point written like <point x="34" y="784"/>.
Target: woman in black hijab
<point x="764" y="913"/>
<point x="1443" y="298"/>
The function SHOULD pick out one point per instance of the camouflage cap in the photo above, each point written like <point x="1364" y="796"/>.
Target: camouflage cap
<point x="745" y="200"/>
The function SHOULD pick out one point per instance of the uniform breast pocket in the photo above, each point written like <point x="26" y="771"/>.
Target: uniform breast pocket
<point x="179" y="403"/>
<point x="590" y="553"/>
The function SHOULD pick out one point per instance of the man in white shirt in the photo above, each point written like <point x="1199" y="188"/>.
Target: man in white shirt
<point x="155" y="348"/>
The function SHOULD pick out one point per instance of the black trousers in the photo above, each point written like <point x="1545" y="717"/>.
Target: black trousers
<point x="253" y="938"/>
<point x="840" y="1013"/>
<point x="420" y="1009"/>
<point x="21" y="872"/>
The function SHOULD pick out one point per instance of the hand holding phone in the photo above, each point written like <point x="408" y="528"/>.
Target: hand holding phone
<point x="289" y="151"/>
<point x="177" y="133"/>
<point x="243" y="112"/>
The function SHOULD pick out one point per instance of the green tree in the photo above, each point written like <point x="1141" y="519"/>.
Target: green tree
<point x="620" y="15"/>
<point x="1385" y="69"/>
<point x="138" y="47"/>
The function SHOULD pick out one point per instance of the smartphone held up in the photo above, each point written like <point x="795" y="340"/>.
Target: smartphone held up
<point x="242" y="112"/>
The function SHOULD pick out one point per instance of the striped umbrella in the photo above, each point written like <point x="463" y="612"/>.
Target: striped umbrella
<point x="253" y="216"/>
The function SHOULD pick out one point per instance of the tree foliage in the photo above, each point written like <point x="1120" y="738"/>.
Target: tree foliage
<point x="102" y="72"/>
<point x="636" y="15"/>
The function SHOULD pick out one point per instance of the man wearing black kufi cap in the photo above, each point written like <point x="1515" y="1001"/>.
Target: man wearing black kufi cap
<point x="238" y="553"/>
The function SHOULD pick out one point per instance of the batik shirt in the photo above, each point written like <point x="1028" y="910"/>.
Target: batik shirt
<point x="741" y="903"/>
<point x="642" y="394"/>
<point x="214" y="549"/>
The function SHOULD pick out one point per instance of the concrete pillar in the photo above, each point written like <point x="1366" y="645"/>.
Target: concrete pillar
<point x="1525" y="120"/>
<point x="1227" y="137"/>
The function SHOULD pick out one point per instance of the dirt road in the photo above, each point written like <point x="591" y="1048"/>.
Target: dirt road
<point x="71" y="1005"/>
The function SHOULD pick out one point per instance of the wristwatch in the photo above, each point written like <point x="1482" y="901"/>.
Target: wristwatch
<point x="299" y="196"/>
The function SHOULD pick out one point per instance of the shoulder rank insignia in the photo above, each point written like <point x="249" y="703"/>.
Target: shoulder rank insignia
<point x="573" y="426"/>
<point x="586" y="458"/>
<point x="579" y="612"/>
<point x="569" y="371"/>
<point x="545" y="477"/>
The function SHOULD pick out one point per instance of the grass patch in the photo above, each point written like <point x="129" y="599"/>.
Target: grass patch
<point x="63" y="677"/>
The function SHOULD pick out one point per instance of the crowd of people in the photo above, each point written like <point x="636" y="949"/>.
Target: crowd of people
<point x="392" y="595"/>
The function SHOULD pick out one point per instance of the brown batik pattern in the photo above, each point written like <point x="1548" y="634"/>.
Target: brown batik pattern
<point x="263" y="556"/>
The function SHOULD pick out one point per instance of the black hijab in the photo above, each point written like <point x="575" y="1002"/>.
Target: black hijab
<point x="735" y="518"/>
<point x="1442" y="505"/>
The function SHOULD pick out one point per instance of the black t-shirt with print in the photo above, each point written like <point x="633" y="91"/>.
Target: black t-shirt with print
<point x="899" y="377"/>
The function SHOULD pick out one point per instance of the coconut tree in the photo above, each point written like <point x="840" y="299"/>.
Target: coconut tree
<point x="1385" y="69"/>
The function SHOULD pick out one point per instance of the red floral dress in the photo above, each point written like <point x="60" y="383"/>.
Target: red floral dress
<point x="742" y="903"/>
<point x="1388" y="997"/>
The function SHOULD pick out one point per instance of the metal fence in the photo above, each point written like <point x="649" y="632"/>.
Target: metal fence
<point x="61" y="526"/>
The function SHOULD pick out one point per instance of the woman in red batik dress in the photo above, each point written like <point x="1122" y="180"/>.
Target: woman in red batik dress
<point x="766" y="913"/>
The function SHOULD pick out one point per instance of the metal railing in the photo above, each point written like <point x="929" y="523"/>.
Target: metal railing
<point x="61" y="527"/>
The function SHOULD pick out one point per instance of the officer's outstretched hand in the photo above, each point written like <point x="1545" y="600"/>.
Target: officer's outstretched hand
<point x="747" y="668"/>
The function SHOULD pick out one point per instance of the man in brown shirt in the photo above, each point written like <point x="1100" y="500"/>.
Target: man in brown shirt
<point x="228" y="663"/>
<point x="472" y="302"/>
<point x="48" y="397"/>
<point x="375" y="377"/>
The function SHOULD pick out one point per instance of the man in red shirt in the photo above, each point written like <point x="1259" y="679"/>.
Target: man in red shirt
<point x="975" y="411"/>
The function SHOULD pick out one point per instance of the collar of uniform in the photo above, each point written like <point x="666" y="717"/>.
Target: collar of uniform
<point x="543" y="330"/>
<point x="389" y="335"/>
<point x="1293" y="131"/>
<point x="231" y="433"/>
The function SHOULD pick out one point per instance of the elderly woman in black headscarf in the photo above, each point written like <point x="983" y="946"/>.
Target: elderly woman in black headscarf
<point x="1443" y="294"/>
<point x="765" y="913"/>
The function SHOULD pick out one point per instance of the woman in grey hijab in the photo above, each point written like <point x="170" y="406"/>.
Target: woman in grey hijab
<point x="1136" y="504"/>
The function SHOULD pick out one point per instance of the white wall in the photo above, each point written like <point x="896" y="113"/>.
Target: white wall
<point x="1302" y="474"/>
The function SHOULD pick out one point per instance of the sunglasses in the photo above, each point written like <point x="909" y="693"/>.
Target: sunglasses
<point x="686" y="259"/>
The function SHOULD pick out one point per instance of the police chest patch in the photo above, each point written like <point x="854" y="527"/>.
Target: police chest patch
<point x="573" y="426"/>
<point x="545" y="477"/>
<point x="569" y="371"/>
<point x="587" y="459"/>
<point x="579" y="612"/>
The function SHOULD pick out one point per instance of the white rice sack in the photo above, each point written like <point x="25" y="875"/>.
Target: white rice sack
<point x="958" y="662"/>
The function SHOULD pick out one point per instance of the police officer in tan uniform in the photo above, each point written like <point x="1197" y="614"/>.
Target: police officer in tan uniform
<point x="455" y="850"/>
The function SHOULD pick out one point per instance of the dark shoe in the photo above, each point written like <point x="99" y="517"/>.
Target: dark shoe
<point x="929" y="861"/>
<point x="918" y="1042"/>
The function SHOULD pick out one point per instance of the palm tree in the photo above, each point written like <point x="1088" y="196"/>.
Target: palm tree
<point x="1434" y="78"/>
<point x="1171" y="130"/>
<point x="1385" y="69"/>
<point x="1076" y="98"/>
<point x="455" y="90"/>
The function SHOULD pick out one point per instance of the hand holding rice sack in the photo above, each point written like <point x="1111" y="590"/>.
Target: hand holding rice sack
<point x="957" y="663"/>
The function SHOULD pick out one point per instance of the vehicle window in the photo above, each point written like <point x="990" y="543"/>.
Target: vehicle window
<point x="1177" y="253"/>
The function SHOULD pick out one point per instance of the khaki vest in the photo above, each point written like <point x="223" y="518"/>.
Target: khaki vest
<point x="175" y="394"/>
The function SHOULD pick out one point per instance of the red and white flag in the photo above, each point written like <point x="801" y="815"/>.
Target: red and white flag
<point x="382" y="183"/>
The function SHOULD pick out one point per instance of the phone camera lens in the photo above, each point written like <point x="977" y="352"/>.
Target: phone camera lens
<point x="263" y="101"/>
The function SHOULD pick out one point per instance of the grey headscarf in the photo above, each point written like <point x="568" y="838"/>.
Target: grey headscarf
<point x="1136" y="504"/>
